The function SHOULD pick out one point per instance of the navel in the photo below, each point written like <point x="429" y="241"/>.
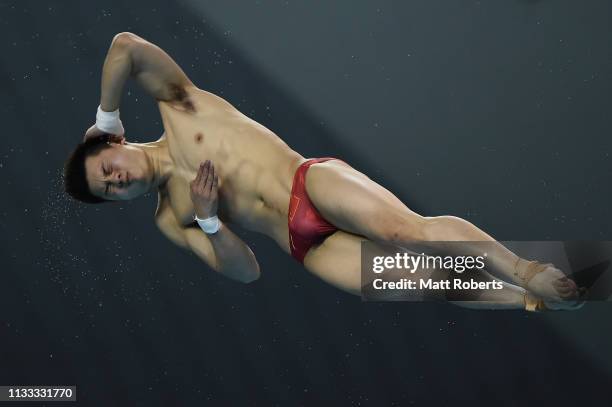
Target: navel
<point x="199" y="137"/>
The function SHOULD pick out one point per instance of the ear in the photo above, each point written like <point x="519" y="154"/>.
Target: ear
<point x="119" y="139"/>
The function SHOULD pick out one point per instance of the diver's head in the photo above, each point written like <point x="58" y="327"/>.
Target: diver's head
<point x="107" y="168"/>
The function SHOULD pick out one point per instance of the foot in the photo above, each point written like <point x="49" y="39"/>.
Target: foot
<point x="546" y="281"/>
<point x="535" y="304"/>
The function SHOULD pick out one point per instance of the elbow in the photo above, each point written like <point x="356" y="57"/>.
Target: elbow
<point x="124" y="39"/>
<point x="240" y="274"/>
<point x="251" y="276"/>
<point x="249" y="279"/>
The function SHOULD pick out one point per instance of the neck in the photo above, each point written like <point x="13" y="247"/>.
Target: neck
<point x="159" y="161"/>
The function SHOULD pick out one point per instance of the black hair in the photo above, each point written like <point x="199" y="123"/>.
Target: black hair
<point x="75" y="176"/>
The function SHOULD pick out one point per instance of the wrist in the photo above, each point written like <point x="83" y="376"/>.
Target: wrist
<point x="107" y="108"/>
<point x="209" y="225"/>
<point x="109" y="122"/>
<point x="204" y="214"/>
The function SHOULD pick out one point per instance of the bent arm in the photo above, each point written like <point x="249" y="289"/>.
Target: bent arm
<point x="223" y="251"/>
<point x="132" y="56"/>
<point x="232" y="257"/>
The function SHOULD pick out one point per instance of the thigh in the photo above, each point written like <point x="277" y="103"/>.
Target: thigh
<point x="353" y="202"/>
<point x="337" y="261"/>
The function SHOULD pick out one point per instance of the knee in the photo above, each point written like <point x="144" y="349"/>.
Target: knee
<point x="420" y="228"/>
<point x="402" y="230"/>
<point x="440" y="228"/>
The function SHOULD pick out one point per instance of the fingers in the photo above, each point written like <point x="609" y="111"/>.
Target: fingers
<point x="91" y="132"/>
<point x="206" y="176"/>
<point x="195" y="184"/>
<point x="211" y="179"/>
<point x="215" y="185"/>
<point x="198" y="177"/>
<point x="206" y="179"/>
<point x="203" y="173"/>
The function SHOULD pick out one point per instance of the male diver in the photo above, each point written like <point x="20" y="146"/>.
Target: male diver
<point x="214" y="166"/>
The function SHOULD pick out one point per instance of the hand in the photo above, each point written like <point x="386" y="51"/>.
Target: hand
<point x="204" y="191"/>
<point x="93" y="131"/>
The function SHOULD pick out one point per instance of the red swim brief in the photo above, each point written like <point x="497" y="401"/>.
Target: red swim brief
<point x="306" y="225"/>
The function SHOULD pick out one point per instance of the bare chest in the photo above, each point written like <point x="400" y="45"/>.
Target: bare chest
<point x="255" y="168"/>
<point x="238" y="206"/>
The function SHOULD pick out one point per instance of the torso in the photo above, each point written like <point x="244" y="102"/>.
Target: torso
<point x="255" y="167"/>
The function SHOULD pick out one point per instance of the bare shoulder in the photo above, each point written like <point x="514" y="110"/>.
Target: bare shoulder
<point x="191" y="99"/>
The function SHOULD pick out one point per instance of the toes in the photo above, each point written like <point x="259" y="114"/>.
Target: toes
<point x="569" y="282"/>
<point x="562" y="284"/>
<point x="555" y="286"/>
<point x="565" y="289"/>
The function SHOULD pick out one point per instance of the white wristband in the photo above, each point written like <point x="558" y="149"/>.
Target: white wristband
<point x="109" y="122"/>
<point x="209" y="225"/>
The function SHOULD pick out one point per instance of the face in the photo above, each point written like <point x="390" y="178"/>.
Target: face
<point x="119" y="172"/>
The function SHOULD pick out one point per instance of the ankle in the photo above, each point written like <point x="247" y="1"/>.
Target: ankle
<point x="524" y="270"/>
<point x="533" y="303"/>
<point x="520" y="270"/>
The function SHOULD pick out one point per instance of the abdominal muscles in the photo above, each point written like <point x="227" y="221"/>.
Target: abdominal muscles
<point x="255" y="167"/>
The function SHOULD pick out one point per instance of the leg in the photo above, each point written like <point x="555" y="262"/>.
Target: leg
<point x="338" y="262"/>
<point x="377" y="214"/>
<point x="509" y="297"/>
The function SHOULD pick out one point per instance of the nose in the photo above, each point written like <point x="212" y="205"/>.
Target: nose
<point x="119" y="178"/>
